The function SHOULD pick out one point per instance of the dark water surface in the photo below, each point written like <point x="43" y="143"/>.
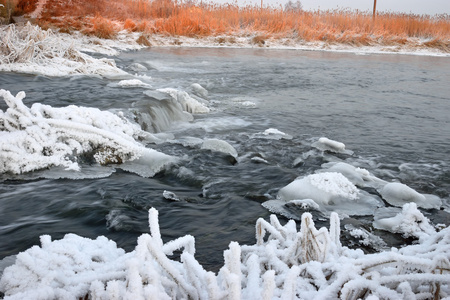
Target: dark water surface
<point x="391" y="110"/>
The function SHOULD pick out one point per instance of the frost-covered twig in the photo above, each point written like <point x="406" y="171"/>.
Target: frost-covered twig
<point x="30" y="49"/>
<point x="260" y="271"/>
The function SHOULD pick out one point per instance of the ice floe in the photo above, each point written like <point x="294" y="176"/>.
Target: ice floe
<point x="325" y="192"/>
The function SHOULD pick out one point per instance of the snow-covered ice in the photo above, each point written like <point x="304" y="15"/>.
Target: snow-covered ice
<point x="325" y="144"/>
<point x="410" y="222"/>
<point x="325" y="192"/>
<point x="398" y="194"/>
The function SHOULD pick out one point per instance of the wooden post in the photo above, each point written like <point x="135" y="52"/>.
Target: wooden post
<point x="374" y="8"/>
<point x="261" y="3"/>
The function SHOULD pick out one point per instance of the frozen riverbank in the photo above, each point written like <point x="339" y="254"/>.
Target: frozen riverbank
<point x="28" y="49"/>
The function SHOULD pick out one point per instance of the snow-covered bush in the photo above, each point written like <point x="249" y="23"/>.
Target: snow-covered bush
<point x="283" y="264"/>
<point x="43" y="136"/>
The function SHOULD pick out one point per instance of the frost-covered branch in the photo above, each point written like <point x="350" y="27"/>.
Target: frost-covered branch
<point x="42" y="136"/>
<point x="30" y="49"/>
<point x="266" y="270"/>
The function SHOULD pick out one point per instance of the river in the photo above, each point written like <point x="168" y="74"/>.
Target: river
<point x="390" y="110"/>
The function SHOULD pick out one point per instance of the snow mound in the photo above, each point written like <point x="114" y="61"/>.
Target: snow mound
<point x="410" y="222"/>
<point x="325" y="144"/>
<point x="30" y="49"/>
<point x="283" y="264"/>
<point x="322" y="188"/>
<point x="398" y="194"/>
<point x="43" y="136"/>
<point x="330" y="191"/>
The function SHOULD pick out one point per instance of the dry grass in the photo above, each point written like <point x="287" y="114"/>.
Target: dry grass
<point x="167" y="18"/>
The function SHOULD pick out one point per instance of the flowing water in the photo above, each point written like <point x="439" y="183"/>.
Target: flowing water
<point x="390" y="110"/>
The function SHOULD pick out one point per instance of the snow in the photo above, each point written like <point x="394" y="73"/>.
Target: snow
<point x="322" y="188"/>
<point x="325" y="192"/>
<point x="132" y="83"/>
<point x="272" y="134"/>
<point x="43" y="136"/>
<point x="410" y="222"/>
<point x="283" y="264"/>
<point x="325" y="144"/>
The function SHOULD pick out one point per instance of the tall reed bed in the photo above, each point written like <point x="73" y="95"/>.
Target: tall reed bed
<point x="194" y="19"/>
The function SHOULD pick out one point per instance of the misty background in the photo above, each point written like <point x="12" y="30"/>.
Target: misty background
<point x="430" y="7"/>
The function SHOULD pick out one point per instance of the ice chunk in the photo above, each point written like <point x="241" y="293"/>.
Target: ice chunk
<point x="219" y="146"/>
<point x="200" y="91"/>
<point x="306" y="204"/>
<point x="149" y="163"/>
<point x="279" y="207"/>
<point x="358" y="176"/>
<point x="398" y="194"/>
<point x="410" y="222"/>
<point x="170" y="196"/>
<point x="322" y="188"/>
<point x="137" y="67"/>
<point x="132" y="83"/>
<point x="273" y="134"/>
<point x="187" y="103"/>
<point x="325" y="144"/>
<point x="331" y="192"/>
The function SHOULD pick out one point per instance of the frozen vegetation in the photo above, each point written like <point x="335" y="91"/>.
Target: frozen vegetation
<point x="43" y="136"/>
<point x="283" y="264"/>
<point x="29" y="49"/>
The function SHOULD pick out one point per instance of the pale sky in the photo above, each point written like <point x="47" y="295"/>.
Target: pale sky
<point x="430" y="7"/>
